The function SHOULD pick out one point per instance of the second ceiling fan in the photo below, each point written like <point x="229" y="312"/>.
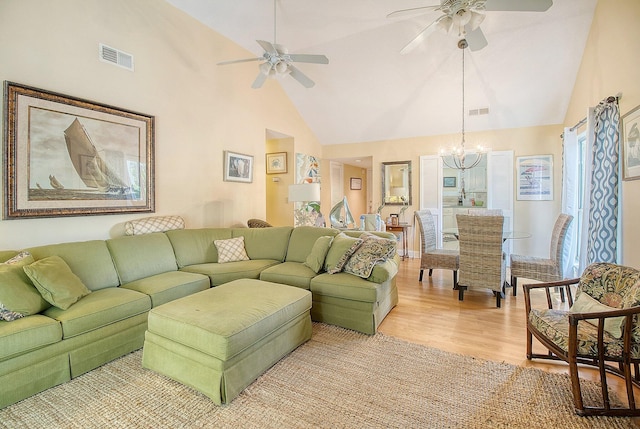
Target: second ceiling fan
<point x="279" y="62"/>
<point x="465" y="16"/>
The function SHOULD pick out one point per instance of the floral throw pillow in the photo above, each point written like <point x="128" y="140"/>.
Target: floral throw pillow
<point x="342" y="247"/>
<point x="374" y="249"/>
<point x="18" y="297"/>
<point x="231" y="250"/>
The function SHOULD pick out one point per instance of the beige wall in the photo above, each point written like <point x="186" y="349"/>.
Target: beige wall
<point x="279" y="210"/>
<point x="357" y="198"/>
<point x="536" y="217"/>
<point x="611" y="64"/>
<point x="201" y="109"/>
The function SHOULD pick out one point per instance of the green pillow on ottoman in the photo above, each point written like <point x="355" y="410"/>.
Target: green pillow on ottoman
<point x="342" y="247"/>
<point x="56" y="282"/>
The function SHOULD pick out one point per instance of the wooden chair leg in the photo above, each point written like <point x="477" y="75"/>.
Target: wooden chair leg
<point x="455" y="280"/>
<point x="514" y="285"/>
<point x="430" y="271"/>
<point x="421" y="272"/>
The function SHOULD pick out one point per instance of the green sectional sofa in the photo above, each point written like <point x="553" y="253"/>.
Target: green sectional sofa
<point x="128" y="276"/>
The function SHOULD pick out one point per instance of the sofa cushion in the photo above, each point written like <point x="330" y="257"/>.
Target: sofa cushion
<point x="231" y="250"/>
<point x="166" y="287"/>
<point x="342" y="247"/>
<point x="140" y="256"/>
<point x="345" y="286"/>
<point x="224" y="273"/>
<point x="265" y="243"/>
<point x="384" y="271"/>
<point x="318" y="254"/>
<point x="55" y="281"/>
<point x="26" y="334"/>
<point x="89" y="260"/>
<point x="373" y="250"/>
<point x="100" y="308"/>
<point x="195" y="246"/>
<point x="289" y="273"/>
<point x="302" y="240"/>
<point x="18" y="296"/>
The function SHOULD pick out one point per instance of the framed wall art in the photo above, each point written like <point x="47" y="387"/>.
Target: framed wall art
<point x="277" y="163"/>
<point x="355" y="183"/>
<point x="66" y="156"/>
<point x="631" y="145"/>
<point x="449" y="182"/>
<point x="238" y="167"/>
<point x="534" y="177"/>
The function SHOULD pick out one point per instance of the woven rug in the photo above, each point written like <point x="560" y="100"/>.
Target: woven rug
<point x="339" y="379"/>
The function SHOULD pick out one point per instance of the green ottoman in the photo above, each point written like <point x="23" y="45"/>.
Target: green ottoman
<point x="220" y="340"/>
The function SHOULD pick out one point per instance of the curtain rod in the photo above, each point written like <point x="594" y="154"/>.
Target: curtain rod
<point x="583" y="121"/>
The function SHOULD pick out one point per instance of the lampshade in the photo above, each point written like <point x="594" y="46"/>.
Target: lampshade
<point x="304" y="192"/>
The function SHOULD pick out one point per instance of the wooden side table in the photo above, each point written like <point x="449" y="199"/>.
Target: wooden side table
<point x="403" y="228"/>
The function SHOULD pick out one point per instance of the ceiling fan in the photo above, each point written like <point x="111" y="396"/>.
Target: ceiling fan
<point x="279" y="62"/>
<point x="465" y="17"/>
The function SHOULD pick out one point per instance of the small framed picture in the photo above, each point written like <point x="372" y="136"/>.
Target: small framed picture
<point x="449" y="182"/>
<point x="631" y="145"/>
<point x="534" y="178"/>
<point x="276" y="163"/>
<point x="238" y="167"/>
<point x="355" y="183"/>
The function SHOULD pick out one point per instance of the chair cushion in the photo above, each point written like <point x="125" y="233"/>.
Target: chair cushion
<point x="554" y="325"/>
<point x="585" y="304"/>
<point x="55" y="281"/>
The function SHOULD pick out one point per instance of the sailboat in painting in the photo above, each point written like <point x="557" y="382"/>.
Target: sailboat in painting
<point x="92" y="169"/>
<point x="340" y="215"/>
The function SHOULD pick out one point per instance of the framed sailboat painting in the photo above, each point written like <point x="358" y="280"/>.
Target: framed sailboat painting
<point x="65" y="156"/>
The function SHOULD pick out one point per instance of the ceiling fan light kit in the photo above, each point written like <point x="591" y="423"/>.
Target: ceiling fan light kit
<point x="278" y="62"/>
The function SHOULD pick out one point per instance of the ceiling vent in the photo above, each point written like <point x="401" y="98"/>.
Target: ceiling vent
<point x="116" y="57"/>
<point x="479" y="112"/>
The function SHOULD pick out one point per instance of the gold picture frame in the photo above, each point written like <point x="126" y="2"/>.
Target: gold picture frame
<point x="66" y="156"/>
<point x="276" y="163"/>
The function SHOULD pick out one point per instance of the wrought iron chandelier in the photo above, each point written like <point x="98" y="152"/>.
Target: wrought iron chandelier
<point x="456" y="157"/>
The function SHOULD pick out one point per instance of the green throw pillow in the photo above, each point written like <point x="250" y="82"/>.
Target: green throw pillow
<point x="342" y="247"/>
<point x="316" y="258"/>
<point x="18" y="296"/>
<point x="56" y="282"/>
<point x="586" y="304"/>
<point x="374" y="249"/>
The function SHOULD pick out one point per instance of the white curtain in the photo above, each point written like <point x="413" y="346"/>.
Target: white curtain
<point x="586" y="203"/>
<point x="570" y="175"/>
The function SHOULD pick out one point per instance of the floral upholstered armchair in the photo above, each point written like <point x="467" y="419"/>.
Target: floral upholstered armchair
<point x="599" y="329"/>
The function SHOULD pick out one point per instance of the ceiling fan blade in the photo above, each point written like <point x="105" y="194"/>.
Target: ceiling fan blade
<point x="223" y="63"/>
<point x="419" y="38"/>
<point x="259" y="81"/>
<point x="268" y="47"/>
<point x="300" y="77"/>
<point x="413" y="10"/>
<point x="475" y="38"/>
<point x="309" y="58"/>
<point x="519" y="6"/>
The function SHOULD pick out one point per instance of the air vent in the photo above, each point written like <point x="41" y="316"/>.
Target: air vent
<point x="116" y="57"/>
<point x="479" y="112"/>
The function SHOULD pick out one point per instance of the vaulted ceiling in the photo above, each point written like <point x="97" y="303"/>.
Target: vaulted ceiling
<point x="370" y="92"/>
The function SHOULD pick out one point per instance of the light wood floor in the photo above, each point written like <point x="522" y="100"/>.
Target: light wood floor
<point x="430" y="313"/>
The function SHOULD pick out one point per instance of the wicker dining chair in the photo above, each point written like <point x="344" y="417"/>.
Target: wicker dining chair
<point x="543" y="269"/>
<point x="430" y="256"/>
<point x="482" y="261"/>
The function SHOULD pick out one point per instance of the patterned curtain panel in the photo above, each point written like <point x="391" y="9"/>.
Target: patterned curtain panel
<point x="602" y="241"/>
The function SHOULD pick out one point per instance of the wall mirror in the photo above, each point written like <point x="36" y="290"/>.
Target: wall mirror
<point x="396" y="183"/>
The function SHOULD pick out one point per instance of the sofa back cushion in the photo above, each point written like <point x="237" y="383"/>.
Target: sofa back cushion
<point x="195" y="246"/>
<point x="302" y="241"/>
<point x="89" y="260"/>
<point x="265" y="243"/>
<point x="140" y="256"/>
<point x="5" y="255"/>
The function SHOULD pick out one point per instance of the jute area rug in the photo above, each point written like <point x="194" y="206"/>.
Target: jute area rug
<point x="339" y="379"/>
